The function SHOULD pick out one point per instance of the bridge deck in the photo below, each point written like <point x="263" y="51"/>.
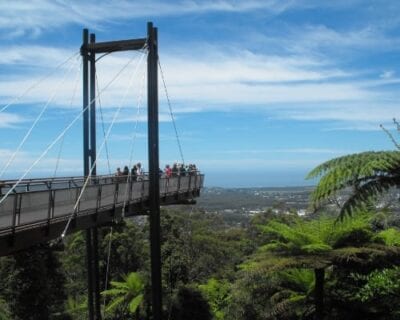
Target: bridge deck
<point x="38" y="209"/>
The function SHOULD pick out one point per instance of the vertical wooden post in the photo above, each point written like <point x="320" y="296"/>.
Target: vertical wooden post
<point x="154" y="185"/>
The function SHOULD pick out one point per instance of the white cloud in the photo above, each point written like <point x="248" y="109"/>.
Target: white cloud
<point x="246" y="162"/>
<point x="9" y="120"/>
<point x="21" y="18"/>
<point x="287" y="150"/>
<point x="217" y="81"/>
<point x="46" y="167"/>
<point x="388" y="74"/>
<point x="295" y="87"/>
<point x="125" y="117"/>
<point x="364" y="115"/>
<point x="36" y="56"/>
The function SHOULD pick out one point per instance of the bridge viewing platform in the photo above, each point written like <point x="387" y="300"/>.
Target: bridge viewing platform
<point x="38" y="210"/>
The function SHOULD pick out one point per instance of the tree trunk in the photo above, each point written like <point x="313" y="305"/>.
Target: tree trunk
<point x="319" y="293"/>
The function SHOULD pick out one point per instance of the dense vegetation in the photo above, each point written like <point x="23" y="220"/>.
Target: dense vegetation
<point x="280" y="266"/>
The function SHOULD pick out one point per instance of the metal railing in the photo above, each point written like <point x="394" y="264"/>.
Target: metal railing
<point x="46" y="200"/>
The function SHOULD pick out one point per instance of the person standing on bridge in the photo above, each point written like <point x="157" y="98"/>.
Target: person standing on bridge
<point x="175" y="170"/>
<point x="134" y="173"/>
<point x="139" y="171"/>
<point x="118" y="174"/>
<point x="168" y="171"/>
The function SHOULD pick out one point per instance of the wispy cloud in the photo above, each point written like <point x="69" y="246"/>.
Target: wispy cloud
<point x="287" y="150"/>
<point x="388" y="74"/>
<point x="305" y="81"/>
<point x="295" y="87"/>
<point x="364" y="115"/>
<point x="21" y="18"/>
<point x="9" y="120"/>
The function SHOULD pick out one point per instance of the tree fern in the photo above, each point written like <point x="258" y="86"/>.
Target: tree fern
<point x="390" y="237"/>
<point x="127" y="293"/>
<point x="368" y="173"/>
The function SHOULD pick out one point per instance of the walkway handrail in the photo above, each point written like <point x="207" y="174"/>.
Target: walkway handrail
<point x="41" y="200"/>
<point x="35" y="184"/>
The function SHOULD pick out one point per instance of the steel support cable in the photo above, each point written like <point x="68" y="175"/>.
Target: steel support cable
<point x="170" y="110"/>
<point x="133" y="140"/>
<point x="15" y="100"/>
<point x="76" y="81"/>
<point x="126" y="189"/>
<point x="102" y="126"/>
<point x="28" y="133"/>
<point x="62" y="133"/>
<point x="116" y="114"/>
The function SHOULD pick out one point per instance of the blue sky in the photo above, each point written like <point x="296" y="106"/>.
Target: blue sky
<point x="262" y="91"/>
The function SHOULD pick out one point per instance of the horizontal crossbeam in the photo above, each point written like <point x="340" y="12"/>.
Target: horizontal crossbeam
<point x="114" y="46"/>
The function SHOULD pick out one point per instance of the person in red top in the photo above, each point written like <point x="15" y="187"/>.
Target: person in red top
<point x="168" y="171"/>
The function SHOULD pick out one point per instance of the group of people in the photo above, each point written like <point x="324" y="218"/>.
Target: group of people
<point x="179" y="169"/>
<point x="136" y="172"/>
<point x="176" y="170"/>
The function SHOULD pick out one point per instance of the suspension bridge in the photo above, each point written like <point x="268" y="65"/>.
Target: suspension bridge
<point x="34" y="211"/>
<point x="38" y="210"/>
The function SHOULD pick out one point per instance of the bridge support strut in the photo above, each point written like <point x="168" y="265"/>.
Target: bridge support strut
<point x="88" y="51"/>
<point x="89" y="168"/>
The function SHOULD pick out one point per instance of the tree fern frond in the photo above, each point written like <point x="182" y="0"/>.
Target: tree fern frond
<point x="286" y="308"/>
<point x="357" y="170"/>
<point x="383" y="160"/>
<point x="113" y="292"/>
<point x="365" y="192"/>
<point x="316" y="248"/>
<point x="299" y="279"/>
<point x="390" y="237"/>
<point x="115" y="303"/>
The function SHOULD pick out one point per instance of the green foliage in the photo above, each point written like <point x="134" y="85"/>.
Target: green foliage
<point x="74" y="265"/>
<point x="77" y="307"/>
<point x="295" y="245"/>
<point x="218" y="296"/>
<point x="368" y="173"/>
<point x="36" y="287"/>
<point x="5" y="313"/>
<point x="190" y="304"/>
<point x="127" y="294"/>
<point x="195" y="249"/>
<point x="296" y="288"/>
<point x="129" y="249"/>
<point x="390" y="237"/>
<point x="214" y="271"/>
<point x="300" y="279"/>
<point x="379" y="283"/>
<point x="298" y="238"/>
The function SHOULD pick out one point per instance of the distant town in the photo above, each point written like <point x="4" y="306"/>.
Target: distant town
<point x="238" y="205"/>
